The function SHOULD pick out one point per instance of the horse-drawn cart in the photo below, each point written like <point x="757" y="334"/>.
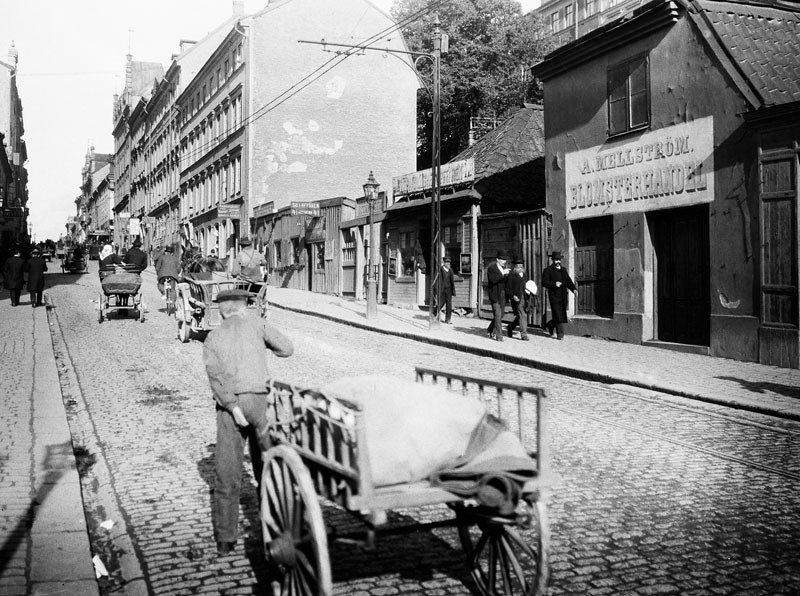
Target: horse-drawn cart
<point x="73" y="261"/>
<point x="196" y="307"/>
<point x="320" y="450"/>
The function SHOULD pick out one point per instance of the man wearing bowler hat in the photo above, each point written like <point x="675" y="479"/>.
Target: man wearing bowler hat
<point x="236" y="356"/>
<point x="447" y="289"/>
<point x="136" y="256"/>
<point x="557" y="281"/>
<point x="496" y="275"/>
<point x="515" y="292"/>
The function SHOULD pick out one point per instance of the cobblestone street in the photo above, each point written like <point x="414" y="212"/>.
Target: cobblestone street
<point x="656" y="494"/>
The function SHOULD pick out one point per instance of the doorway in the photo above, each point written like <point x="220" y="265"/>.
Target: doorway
<point x="682" y="275"/>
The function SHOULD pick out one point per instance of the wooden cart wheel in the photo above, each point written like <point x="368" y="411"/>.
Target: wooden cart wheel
<point x="262" y="304"/>
<point x="500" y="558"/>
<point x="184" y="328"/>
<point x="141" y="311"/>
<point x="295" y="541"/>
<point x="100" y="309"/>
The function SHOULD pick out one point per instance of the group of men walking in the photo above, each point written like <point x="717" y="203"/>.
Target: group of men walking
<point x="514" y="286"/>
<point x="16" y="268"/>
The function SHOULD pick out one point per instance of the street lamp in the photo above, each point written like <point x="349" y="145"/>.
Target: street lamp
<point x="371" y="194"/>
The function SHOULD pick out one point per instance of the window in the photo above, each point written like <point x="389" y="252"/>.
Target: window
<point x="348" y="246"/>
<point x="276" y="251"/>
<point x="295" y="251"/>
<point x="628" y="96"/>
<point x="320" y="251"/>
<point x="569" y="15"/>
<point x="227" y="68"/>
<point x="590" y="8"/>
<point x="237" y="57"/>
<point x="555" y="22"/>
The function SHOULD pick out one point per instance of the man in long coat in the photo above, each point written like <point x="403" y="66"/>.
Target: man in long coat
<point x="13" y="276"/>
<point x="35" y="268"/>
<point x="557" y="281"/>
<point x="136" y="256"/>
<point x="496" y="275"/>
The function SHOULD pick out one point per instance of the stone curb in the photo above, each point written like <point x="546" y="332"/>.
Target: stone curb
<point x="570" y="371"/>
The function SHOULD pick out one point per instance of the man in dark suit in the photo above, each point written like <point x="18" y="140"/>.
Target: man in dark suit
<point x="515" y="292"/>
<point x="557" y="281"/>
<point x="496" y="275"/>
<point x="136" y="256"/>
<point x="447" y="289"/>
<point x="13" y="275"/>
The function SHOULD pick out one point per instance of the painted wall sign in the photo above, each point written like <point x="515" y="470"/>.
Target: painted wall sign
<point x="669" y="167"/>
<point x="229" y="211"/>
<point x="308" y="208"/>
<point x="456" y="172"/>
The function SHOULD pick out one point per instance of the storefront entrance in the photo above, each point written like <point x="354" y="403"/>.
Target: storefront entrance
<point x="680" y="239"/>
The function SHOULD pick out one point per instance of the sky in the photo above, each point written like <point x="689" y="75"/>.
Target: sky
<point x="72" y="62"/>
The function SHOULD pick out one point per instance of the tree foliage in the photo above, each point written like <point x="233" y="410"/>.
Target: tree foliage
<point x="485" y="73"/>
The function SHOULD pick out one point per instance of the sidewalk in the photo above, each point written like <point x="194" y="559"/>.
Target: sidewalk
<point x="744" y="385"/>
<point x="44" y="544"/>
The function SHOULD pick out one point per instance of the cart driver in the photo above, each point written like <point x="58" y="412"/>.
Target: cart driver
<point x="236" y="356"/>
<point x="250" y="264"/>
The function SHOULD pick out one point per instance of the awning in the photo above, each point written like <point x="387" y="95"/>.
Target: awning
<point x="467" y="193"/>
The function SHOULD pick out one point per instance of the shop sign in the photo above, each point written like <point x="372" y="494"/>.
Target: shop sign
<point x="133" y="226"/>
<point x="227" y="211"/>
<point x="450" y="174"/>
<point x="666" y="168"/>
<point x="309" y="209"/>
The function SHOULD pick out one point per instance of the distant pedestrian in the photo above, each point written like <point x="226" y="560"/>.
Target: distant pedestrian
<point x="515" y="292"/>
<point x="35" y="268"/>
<point x="496" y="275"/>
<point x="236" y="358"/>
<point x="136" y="256"/>
<point x="557" y="281"/>
<point x="13" y="275"/>
<point x="447" y="290"/>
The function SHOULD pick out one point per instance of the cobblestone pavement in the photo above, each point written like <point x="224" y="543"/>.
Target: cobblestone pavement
<point x="657" y="494"/>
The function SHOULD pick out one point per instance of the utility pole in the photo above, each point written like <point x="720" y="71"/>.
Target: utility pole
<point x="436" y="211"/>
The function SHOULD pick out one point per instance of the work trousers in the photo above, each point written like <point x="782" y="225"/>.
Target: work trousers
<point x="229" y="456"/>
<point x="36" y="297"/>
<point x="520" y="318"/>
<point x="446" y="302"/>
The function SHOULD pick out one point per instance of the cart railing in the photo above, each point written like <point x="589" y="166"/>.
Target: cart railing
<point x="496" y="396"/>
<point x="326" y="433"/>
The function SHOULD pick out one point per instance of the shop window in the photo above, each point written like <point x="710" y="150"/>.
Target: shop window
<point x="320" y="252"/>
<point x="276" y="251"/>
<point x="628" y="96"/>
<point x="452" y="245"/>
<point x="594" y="266"/>
<point x="779" y="287"/>
<point x="348" y="247"/>
<point x="295" y="251"/>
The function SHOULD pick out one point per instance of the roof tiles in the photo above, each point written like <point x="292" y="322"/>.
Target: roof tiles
<point x="764" y="41"/>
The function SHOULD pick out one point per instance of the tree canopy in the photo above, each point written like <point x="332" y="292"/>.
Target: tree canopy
<point x="486" y="71"/>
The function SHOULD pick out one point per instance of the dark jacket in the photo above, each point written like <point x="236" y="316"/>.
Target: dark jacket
<point x="515" y="288"/>
<point x="558" y="296"/>
<point x="12" y="273"/>
<point x="496" y="280"/>
<point x="136" y="256"/>
<point x="35" y="268"/>
<point x="168" y="265"/>
<point x="448" y="286"/>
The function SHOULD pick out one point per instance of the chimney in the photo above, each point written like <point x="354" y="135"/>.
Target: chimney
<point x="13" y="54"/>
<point x="238" y="8"/>
<point x="185" y="44"/>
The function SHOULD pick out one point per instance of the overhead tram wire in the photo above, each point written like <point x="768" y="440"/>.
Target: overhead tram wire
<point x="295" y="88"/>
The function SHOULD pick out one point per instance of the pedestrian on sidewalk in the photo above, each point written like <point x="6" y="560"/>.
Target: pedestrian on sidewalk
<point x="515" y="292"/>
<point x="35" y="268"/>
<point x="496" y="275"/>
<point x="447" y="290"/>
<point x="557" y="281"/>
<point x="236" y="359"/>
<point x="13" y="275"/>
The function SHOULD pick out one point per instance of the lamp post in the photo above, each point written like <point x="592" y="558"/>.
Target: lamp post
<point x="371" y="194"/>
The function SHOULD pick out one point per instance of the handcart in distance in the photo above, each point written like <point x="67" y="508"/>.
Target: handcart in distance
<point x="120" y="291"/>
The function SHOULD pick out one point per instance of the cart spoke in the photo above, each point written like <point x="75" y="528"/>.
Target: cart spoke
<point x="274" y="506"/>
<point x="306" y="572"/>
<point x="279" y="491"/>
<point x="504" y="564"/>
<point x="511" y="558"/>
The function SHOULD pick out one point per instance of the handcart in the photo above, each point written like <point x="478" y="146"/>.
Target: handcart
<point x="196" y="307"/>
<point x="71" y="264"/>
<point x="120" y="291"/>
<point x="319" y="450"/>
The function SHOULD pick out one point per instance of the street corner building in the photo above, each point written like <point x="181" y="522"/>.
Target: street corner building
<point x="672" y="141"/>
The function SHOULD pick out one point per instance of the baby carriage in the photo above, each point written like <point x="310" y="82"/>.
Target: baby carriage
<point x="120" y="291"/>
